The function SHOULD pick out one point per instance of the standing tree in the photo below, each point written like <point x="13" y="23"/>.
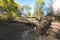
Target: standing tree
<point x="38" y="9"/>
<point x="26" y="9"/>
<point x="51" y="9"/>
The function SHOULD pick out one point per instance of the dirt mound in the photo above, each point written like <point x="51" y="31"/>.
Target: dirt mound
<point x="14" y="30"/>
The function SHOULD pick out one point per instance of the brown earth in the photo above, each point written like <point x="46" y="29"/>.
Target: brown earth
<point x="14" y="30"/>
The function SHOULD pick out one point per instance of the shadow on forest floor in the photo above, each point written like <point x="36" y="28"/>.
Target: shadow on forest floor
<point x="25" y="31"/>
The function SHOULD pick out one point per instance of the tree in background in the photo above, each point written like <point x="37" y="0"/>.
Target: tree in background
<point x="38" y="9"/>
<point x="19" y="9"/>
<point x="51" y="13"/>
<point x="26" y="9"/>
<point x="48" y="9"/>
<point x="39" y="2"/>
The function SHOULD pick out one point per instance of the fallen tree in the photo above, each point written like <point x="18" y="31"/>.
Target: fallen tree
<point x="15" y="30"/>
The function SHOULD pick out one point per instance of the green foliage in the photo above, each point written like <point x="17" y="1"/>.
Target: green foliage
<point x="28" y="14"/>
<point x="4" y="17"/>
<point x="10" y="8"/>
<point x="38" y="10"/>
<point x="1" y="3"/>
<point x="39" y="2"/>
<point x="26" y="9"/>
<point x="38" y="14"/>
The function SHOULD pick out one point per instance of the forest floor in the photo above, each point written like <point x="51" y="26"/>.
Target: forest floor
<point x="25" y="31"/>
